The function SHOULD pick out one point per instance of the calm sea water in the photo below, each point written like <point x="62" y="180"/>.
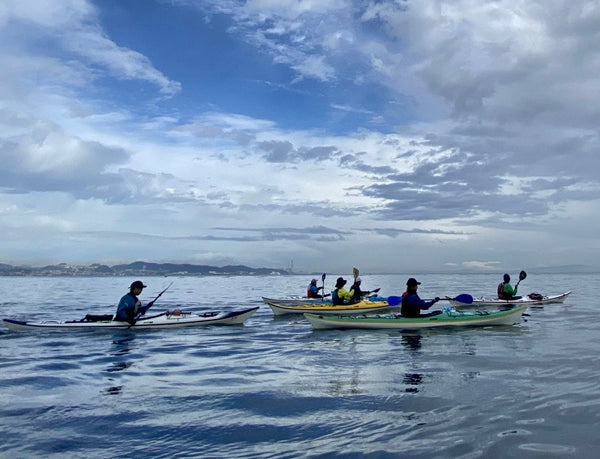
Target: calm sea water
<point x="275" y="388"/>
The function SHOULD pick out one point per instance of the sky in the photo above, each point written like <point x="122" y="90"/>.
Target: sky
<point x="396" y="136"/>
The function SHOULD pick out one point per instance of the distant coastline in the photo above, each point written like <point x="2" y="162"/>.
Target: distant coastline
<point x="143" y="268"/>
<point x="138" y="268"/>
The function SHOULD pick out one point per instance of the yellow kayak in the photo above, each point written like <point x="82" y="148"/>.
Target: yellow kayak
<point x="362" y="307"/>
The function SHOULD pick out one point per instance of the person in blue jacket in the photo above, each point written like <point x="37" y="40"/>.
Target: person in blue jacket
<point x="130" y="306"/>
<point x="312" y="291"/>
<point x="412" y="304"/>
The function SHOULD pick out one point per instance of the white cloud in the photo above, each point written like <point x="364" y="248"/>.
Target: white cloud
<point x="492" y="164"/>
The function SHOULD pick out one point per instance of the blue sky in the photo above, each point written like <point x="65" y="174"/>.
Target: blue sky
<point x="397" y="136"/>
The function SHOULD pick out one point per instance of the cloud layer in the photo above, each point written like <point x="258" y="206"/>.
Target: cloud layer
<point x="394" y="136"/>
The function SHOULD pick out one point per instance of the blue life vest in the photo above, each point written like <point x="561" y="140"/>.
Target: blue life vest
<point x="335" y="299"/>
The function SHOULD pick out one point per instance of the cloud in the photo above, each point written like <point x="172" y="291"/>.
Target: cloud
<point x="71" y="28"/>
<point x="445" y="131"/>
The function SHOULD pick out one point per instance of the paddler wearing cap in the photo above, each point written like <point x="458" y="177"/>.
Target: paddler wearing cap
<point x="312" y="291"/>
<point x="412" y="304"/>
<point x="130" y="305"/>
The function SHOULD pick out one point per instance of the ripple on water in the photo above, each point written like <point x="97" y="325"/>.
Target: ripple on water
<point x="276" y="388"/>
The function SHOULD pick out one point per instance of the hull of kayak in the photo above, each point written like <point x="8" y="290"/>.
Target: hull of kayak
<point x="449" y="318"/>
<point x="164" y="320"/>
<point x="294" y="301"/>
<point x="361" y="307"/>
<point x="484" y="302"/>
<point x="300" y="301"/>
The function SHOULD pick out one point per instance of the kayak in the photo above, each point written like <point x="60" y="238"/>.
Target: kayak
<point x="168" y="319"/>
<point x="295" y="300"/>
<point x="298" y="300"/>
<point x="447" y="318"/>
<point x="495" y="302"/>
<point x="328" y="308"/>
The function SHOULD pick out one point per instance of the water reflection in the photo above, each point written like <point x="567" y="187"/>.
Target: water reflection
<point x="411" y="342"/>
<point x="120" y="347"/>
<point x="118" y="366"/>
<point x="121" y="344"/>
<point x="412" y="380"/>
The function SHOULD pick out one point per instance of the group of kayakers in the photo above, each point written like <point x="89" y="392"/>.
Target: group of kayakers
<point x="130" y="307"/>
<point x="411" y="304"/>
<point x="340" y="295"/>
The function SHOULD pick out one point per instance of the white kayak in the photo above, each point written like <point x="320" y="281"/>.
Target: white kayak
<point x="447" y="318"/>
<point x="495" y="302"/>
<point x="175" y="319"/>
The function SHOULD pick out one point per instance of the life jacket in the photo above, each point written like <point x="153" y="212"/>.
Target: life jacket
<point x="407" y="309"/>
<point x="335" y="299"/>
<point x="310" y="293"/>
<point x="501" y="290"/>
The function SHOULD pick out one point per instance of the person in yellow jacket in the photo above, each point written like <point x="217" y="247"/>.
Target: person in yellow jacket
<point x="340" y="295"/>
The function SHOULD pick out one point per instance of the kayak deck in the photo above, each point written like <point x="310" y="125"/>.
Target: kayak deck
<point x="301" y="301"/>
<point x="488" y="302"/>
<point x="163" y="320"/>
<point x="447" y="318"/>
<point x="327" y="308"/>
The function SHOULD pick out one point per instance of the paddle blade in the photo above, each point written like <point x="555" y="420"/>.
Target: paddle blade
<point x="355" y="272"/>
<point x="464" y="298"/>
<point x="323" y="277"/>
<point x="522" y="275"/>
<point x="394" y="300"/>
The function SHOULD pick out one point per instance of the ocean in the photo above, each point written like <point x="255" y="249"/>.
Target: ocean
<point x="274" y="388"/>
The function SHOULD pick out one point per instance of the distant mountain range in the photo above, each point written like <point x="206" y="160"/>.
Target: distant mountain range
<point x="138" y="268"/>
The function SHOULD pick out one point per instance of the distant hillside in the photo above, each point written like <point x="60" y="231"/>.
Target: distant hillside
<point x="138" y="268"/>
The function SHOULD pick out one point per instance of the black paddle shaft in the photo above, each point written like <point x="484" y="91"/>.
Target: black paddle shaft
<point x="151" y="303"/>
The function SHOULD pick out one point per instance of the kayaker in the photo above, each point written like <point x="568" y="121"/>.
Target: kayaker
<point x="358" y="293"/>
<point x="129" y="305"/>
<point x="505" y="290"/>
<point x="340" y="295"/>
<point x="412" y="304"/>
<point x="313" y="291"/>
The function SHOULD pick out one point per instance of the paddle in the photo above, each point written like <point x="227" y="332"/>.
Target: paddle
<point x="356" y="273"/>
<point x="522" y="276"/>
<point x="394" y="300"/>
<point x="323" y="291"/>
<point x="463" y="298"/>
<point x="143" y="309"/>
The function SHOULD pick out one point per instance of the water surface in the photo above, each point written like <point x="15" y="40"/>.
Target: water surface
<point x="275" y="388"/>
